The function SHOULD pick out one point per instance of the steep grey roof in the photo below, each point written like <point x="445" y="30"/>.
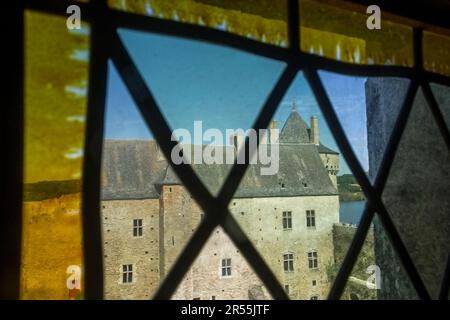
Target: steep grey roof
<point x="134" y="169"/>
<point x="130" y="169"/>
<point x="295" y="130"/>
<point x="301" y="172"/>
<point x="212" y="175"/>
<point x="323" y="149"/>
<point x="169" y="177"/>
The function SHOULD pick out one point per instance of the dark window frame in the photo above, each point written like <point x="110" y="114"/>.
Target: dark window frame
<point x="226" y="269"/>
<point x="127" y="273"/>
<point x="288" y="262"/>
<point x="138" y="228"/>
<point x="287" y="220"/>
<point x="106" y="44"/>
<point x="313" y="260"/>
<point x="311" y="218"/>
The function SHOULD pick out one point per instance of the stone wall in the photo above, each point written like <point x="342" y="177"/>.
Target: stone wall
<point x="170" y="221"/>
<point x="205" y="281"/>
<point x="179" y="217"/>
<point x="261" y="218"/>
<point x="121" y="247"/>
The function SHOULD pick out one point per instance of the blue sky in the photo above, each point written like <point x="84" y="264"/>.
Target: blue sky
<point x="225" y="88"/>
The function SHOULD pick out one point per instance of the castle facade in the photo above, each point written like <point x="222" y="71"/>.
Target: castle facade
<point x="148" y="218"/>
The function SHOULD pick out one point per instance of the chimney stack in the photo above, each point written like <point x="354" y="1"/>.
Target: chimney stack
<point x="236" y="140"/>
<point x="314" y="130"/>
<point x="273" y="134"/>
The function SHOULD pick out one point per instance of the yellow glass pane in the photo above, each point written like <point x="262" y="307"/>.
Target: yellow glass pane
<point x="56" y="71"/>
<point x="263" y="20"/>
<point x="338" y="32"/>
<point x="436" y="52"/>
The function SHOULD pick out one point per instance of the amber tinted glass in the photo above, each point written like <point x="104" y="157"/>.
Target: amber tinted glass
<point x="341" y="33"/>
<point x="56" y="66"/>
<point x="436" y="53"/>
<point x="263" y="20"/>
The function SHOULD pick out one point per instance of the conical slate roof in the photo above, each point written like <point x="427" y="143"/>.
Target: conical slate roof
<point x="295" y="129"/>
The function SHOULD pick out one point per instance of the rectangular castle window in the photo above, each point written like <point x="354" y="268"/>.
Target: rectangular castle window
<point x="288" y="262"/>
<point x="127" y="273"/>
<point x="137" y="228"/>
<point x="226" y="267"/>
<point x="310" y="218"/>
<point x="312" y="260"/>
<point x="287" y="220"/>
<point x="286" y="288"/>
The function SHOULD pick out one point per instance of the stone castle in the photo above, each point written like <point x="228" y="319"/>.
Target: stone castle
<point x="148" y="218"/>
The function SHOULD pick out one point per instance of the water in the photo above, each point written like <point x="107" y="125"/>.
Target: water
<point x="351" y="211"/>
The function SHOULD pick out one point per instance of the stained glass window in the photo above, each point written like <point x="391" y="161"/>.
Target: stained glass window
<point x="56" y="75"/>
<point x="263" y="20"/>
<point x="339" y="31"/>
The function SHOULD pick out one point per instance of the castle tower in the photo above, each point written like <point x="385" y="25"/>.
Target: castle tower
<point x="330" y="159"/>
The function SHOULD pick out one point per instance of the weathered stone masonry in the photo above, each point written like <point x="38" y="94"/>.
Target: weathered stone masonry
<point x="139" y="184"/>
